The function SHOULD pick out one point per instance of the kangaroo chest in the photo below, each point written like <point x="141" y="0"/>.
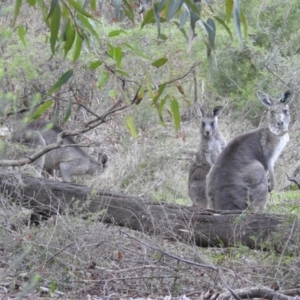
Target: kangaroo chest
<point x="273" y="146"/>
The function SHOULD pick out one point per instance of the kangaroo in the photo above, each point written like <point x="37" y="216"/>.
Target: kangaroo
<point x="211" y="144"/>
<point x="238" y="179"/>
<point x="70" y="161"/>
<point x="31" y="141"/>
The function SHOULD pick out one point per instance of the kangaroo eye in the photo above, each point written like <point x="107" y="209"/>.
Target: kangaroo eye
<point x="203" y="124"/>
<point x="285" y="111"/>
<point x="212" y="124"/>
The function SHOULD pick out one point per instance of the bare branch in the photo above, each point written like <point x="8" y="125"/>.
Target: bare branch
<point x="292" y="179"/>
<point x="187" y="261"/>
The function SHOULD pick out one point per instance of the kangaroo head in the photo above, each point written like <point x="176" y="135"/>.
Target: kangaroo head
<point x="278" y="115"/>
<point x="209" y="120"/>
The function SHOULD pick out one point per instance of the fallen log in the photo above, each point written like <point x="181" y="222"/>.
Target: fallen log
<point x="189" y="224"/>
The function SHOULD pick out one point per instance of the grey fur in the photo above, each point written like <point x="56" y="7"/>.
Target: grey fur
<point x="238" y="179"/>
<point x="211" y="144"/>
<point x="70" y="161"/>
<point x="31" y="142"/>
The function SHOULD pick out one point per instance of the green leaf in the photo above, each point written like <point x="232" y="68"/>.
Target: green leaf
<point x="21" y="34"/>
<point x="31" y="2"/>
<point x="163" y="37"/>
<point x="86" y="22"/>
<point x="210" y="27"/>
<point x="78" y="46"/>
<point x="228" y="9"/>
<point x="159" y="92"/>
<point x="160" y="5"/>
<point x="54" y="3"/>
<point x="194" y="7"/>
<point x="79" y="8"/>
<point x="184" y="17"/>
<point x="43" y="9"/>
<point x="245" y="25"/>
<point x="195" y="16"/>
<point x="53" y="286"/>
<point x="175" y="113"/>
<point x="70" y="35"/>
<point x="116" y="33"/>
<point x="61" y="81"/>
<point x="129" y="123"/>
<point x="211" y="67"/>
<point x="237" y="21"/>
<point x="54" y="27"/>
<point x="118" y="56"/>
<point x="93" y="5"/>
<point x="160" y="108"/>
<point x="159" y="62"/>
<point x="173" y="8"/>
<point x="103" y="78"/>
<point x="41" y="110"/>
<point x="149" y="18"/>
<point x="18" y="4"/>
<point x="181" y="30"/>
<point x="129" y="11"/>
<point x="95" y="64"/>
<point x="122" y="72"/>
<point x="156" y="16"/>
<point x="224" y="25"/>
<point x="69" y="110"/>
<point x="118" y="9"/>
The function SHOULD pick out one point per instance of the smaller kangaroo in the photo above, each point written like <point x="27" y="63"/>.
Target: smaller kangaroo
<point x="70" y="161"/>
<point x="238" y="179"/>
<point x="211" y="144"/>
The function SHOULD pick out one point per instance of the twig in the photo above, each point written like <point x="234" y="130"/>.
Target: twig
<point x="285" y="245"/>
<point x="186" y="74"/>
<point x="280" y="78"/>
<point x="211" y="267"/>
<point x="54" y="255"/>
<point x="292" y="179"/>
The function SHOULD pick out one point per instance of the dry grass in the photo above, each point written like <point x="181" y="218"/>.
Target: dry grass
<point x="85" y="257"/>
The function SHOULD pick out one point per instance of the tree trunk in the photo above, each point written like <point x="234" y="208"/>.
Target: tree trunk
<point x="186" y="223"/>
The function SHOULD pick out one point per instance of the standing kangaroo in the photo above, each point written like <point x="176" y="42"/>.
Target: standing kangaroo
<point x="238" y="179"/>
<point x="69" y="160"/>
<point x="211" y="144"/>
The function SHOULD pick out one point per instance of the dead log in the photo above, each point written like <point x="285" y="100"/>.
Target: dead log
<point x="189" y="224"/>
<point x="259" y="292"/>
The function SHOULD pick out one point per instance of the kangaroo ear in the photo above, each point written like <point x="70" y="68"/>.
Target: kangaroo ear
<point x="103" y="158"/>
<point x="265" y="99"/>
<point x="217" y="111"/>
<point x="287" y="97"/>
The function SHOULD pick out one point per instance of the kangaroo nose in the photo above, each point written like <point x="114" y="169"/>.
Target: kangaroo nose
<point x="280" y="123"/>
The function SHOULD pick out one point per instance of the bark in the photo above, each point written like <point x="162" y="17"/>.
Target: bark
<point x="186" y="223"/>
<point x="259" y="292"/>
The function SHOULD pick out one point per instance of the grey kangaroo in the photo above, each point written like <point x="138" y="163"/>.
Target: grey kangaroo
<point x="69" y="161"/>
<point x="211" y="144"/>
<point x="31" y="142"/>
<point x="238" y="179"/>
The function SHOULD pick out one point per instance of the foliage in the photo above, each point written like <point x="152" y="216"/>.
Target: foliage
<point x="98" y="55"/>
<point x="74" y="25"/>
